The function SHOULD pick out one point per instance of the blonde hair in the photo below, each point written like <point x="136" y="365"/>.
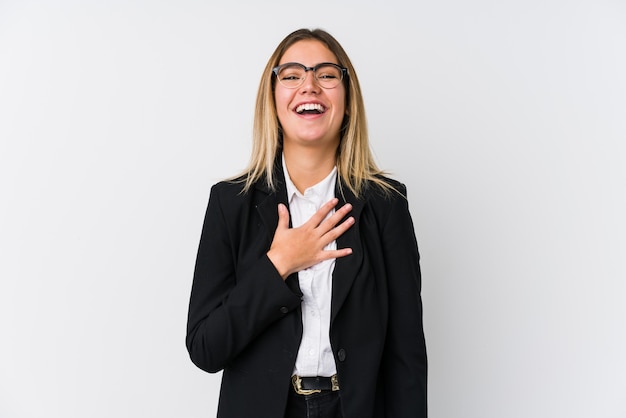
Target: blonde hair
<point x="355" y="162"/>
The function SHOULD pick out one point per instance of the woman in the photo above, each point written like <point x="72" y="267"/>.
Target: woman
<point x="306" y="291"/>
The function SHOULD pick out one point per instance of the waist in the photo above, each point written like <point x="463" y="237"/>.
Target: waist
<point x="310" y="385"/>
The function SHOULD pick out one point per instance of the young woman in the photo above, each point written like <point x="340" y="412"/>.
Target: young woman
<point x="306" y="291"/>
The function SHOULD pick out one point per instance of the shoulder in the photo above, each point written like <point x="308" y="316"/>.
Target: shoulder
<point x="228" y="187"/>
<point x="227" y="195"/>
<point x="242" y="185"/>
<point x="233" y="193"/>
<point x="385" y="189"/>
<point x="387" y="197"/>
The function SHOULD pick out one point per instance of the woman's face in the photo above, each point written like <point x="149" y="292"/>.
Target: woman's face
<point x="319" y="128"/>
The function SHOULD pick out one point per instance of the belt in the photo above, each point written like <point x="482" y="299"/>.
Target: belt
<point x="310" y="385"/>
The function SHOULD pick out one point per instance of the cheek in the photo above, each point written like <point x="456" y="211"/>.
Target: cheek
<point x="281" y="103"/>
<point x="282" y="98"/>
<point x="340" y="101"/>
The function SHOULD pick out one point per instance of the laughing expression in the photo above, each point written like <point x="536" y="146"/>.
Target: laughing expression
<point x="310" y="115"/>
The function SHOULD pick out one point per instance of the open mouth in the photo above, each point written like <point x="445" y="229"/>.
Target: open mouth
<point x="310" y="109"/>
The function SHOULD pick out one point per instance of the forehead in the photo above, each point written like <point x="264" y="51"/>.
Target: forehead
<point x="309" y="53"/>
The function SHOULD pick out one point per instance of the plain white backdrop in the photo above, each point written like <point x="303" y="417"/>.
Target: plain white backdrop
<point x="506" y="120"/>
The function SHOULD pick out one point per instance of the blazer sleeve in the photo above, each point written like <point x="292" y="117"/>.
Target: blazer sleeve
<point x="229" y="305"/>
<point x="404" y="362"/>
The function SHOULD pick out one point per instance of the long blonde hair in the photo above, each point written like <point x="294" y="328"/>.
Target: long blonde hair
<point x="355" y="162"/>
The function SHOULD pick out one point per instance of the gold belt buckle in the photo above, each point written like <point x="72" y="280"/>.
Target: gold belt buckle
<point x="296" y="381"/>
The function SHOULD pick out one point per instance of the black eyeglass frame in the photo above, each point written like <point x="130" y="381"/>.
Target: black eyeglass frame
<point x="344" y="72"/>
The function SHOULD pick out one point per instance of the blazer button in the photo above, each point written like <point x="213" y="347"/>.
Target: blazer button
<point x="284" y="309"/>
<point x="341" y="354"/>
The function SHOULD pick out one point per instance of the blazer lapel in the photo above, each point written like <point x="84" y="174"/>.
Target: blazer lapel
<point x="267" y="207"/>
<point x="346" y="268"/>
<point x="267" y="202"/>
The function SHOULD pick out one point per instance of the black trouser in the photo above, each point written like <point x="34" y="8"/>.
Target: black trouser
<point x="326" y="404"/>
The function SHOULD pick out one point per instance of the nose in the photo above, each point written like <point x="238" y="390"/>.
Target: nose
<point x="310" y="84"/>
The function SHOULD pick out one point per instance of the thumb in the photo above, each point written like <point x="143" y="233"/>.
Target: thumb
<point x="283" y="217"/>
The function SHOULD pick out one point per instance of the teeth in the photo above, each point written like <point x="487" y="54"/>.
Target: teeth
<point x="310" y="106"/>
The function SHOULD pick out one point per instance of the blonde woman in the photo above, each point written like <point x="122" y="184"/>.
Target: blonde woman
<point x="306" y="291"/>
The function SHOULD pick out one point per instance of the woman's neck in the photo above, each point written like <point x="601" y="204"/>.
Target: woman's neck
<point x="307" y="167"/>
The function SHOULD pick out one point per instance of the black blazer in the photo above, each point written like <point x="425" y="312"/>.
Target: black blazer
<point x="244" y="319"/>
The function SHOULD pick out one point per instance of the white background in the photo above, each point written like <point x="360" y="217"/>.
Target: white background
<point x="506" y="120"/>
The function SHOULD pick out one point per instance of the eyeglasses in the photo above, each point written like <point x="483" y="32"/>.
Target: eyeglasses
<point x="293" y="74"/>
